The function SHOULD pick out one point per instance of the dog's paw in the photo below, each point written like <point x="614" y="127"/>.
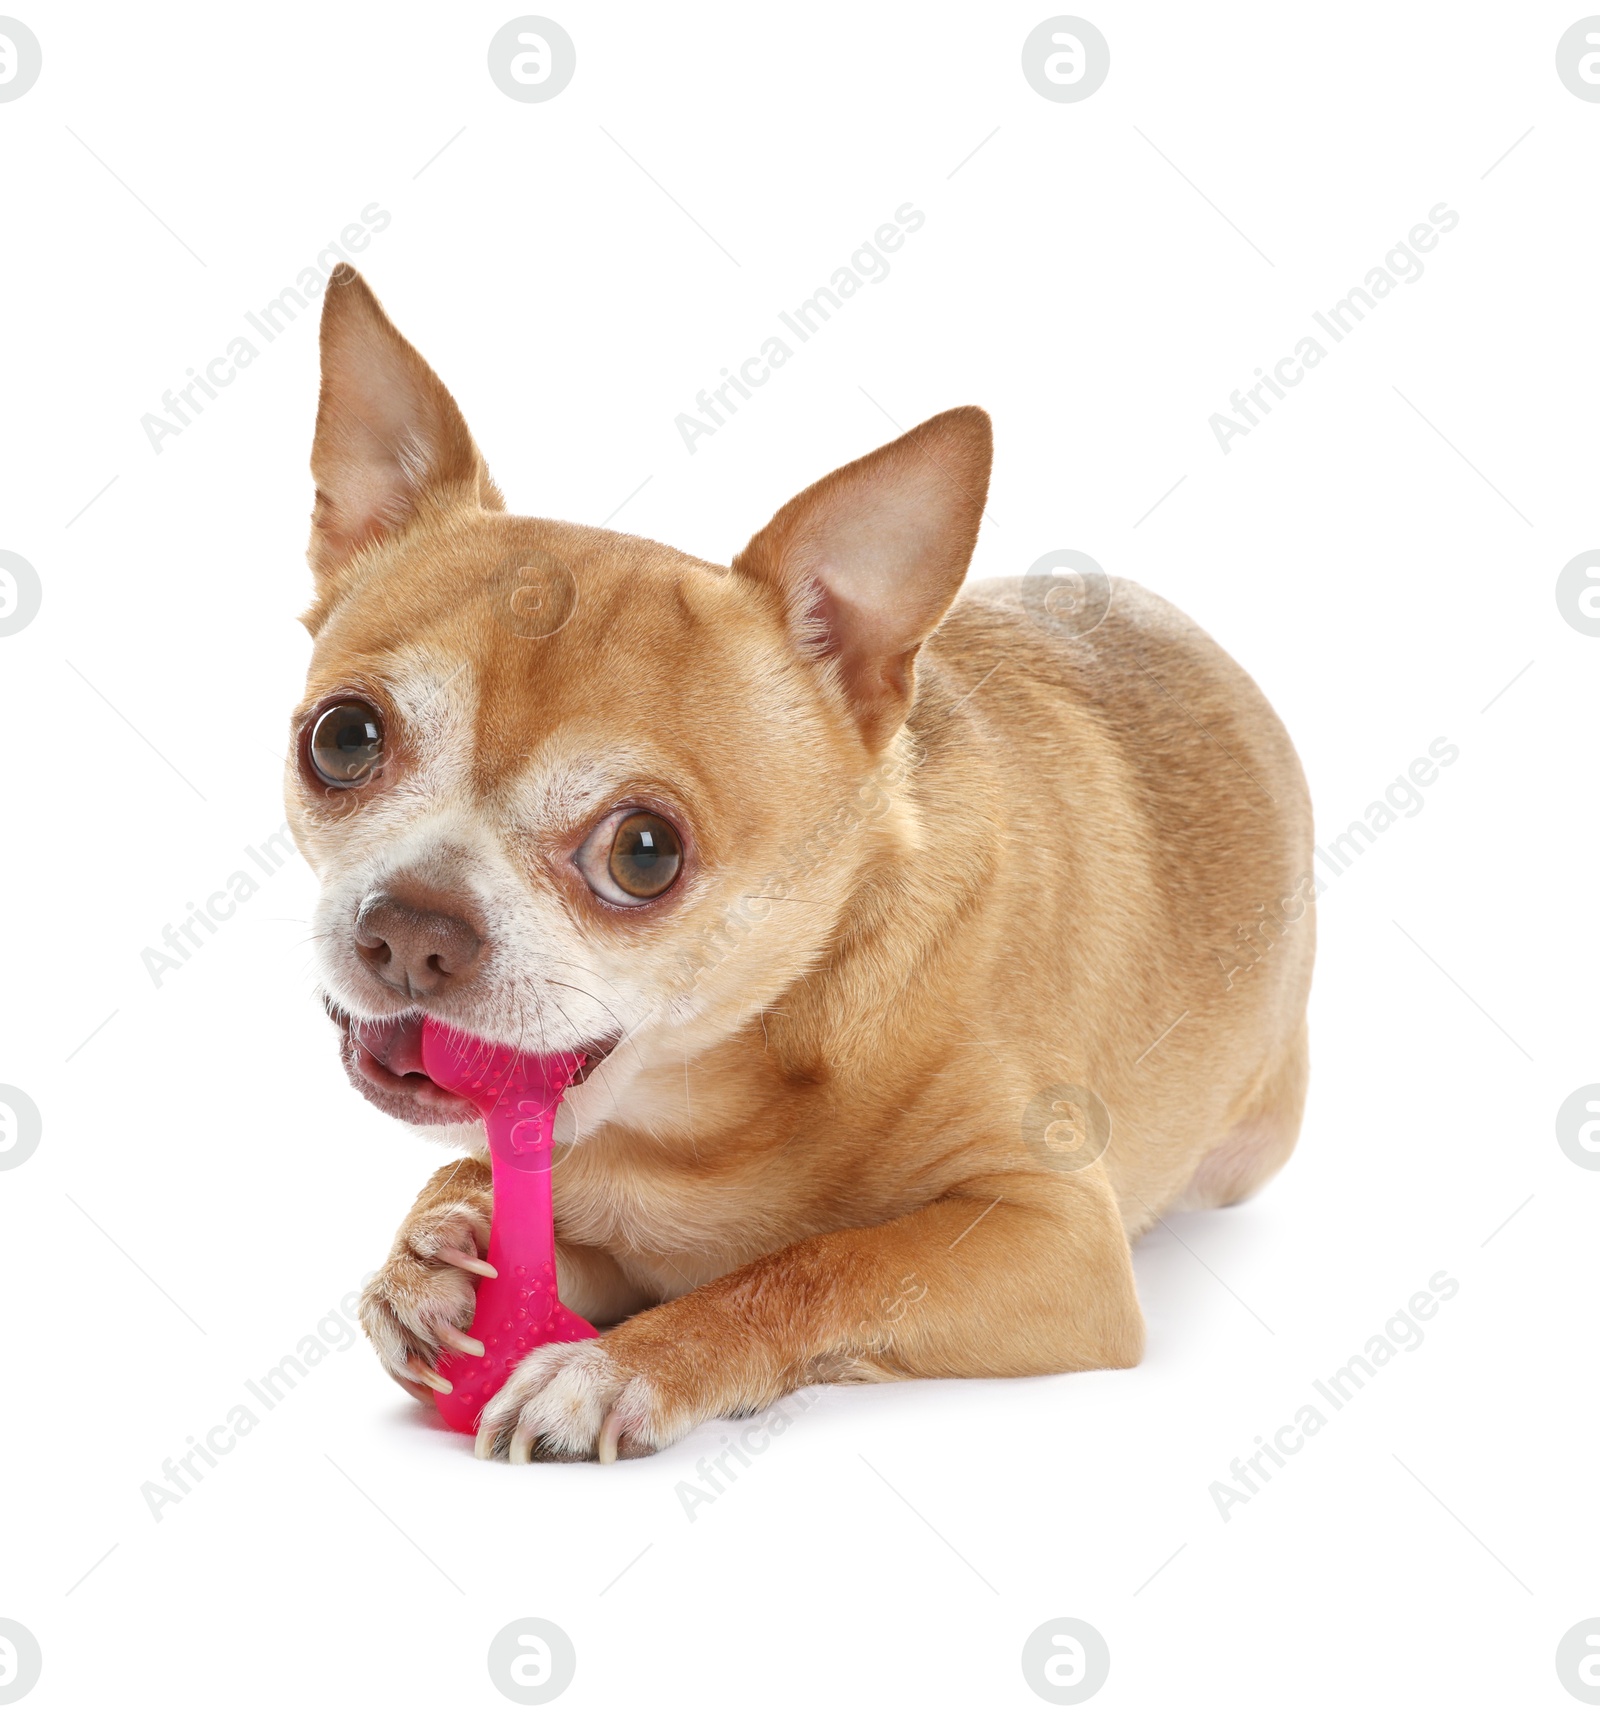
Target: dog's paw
<point x="421" y="1301"/>
<point x="576" y="1401"/>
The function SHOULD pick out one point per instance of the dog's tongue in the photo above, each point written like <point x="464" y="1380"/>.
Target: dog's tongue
<point x="396" y="1045"/>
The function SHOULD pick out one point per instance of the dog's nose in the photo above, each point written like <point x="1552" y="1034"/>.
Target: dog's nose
<point x="417" y="944"/>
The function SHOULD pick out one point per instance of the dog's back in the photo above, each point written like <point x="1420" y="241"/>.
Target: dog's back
<point x="1155" y="880"/>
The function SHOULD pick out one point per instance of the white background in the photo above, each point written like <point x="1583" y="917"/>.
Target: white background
<point x="893" y="1549"/>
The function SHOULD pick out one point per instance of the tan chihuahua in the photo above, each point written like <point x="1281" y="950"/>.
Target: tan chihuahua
<point x="900" y="931"/>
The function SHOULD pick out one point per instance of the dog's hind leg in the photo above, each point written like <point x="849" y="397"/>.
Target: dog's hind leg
<point x="1263" y="1137"/>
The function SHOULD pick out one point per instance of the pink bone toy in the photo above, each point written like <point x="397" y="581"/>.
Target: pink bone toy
<point x="520" y="1308"/>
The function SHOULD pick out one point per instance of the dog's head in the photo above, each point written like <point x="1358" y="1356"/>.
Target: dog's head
<point x="568" y="789"/>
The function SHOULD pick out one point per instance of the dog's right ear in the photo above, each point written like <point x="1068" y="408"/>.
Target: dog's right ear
<point x="390" y="440"/>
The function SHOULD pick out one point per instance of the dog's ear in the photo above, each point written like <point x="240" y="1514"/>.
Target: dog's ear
<point x="389" y="440"/>
<point x="869" y="559"/>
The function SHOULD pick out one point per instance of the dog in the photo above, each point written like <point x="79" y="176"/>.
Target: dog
<point x="924" y="943"/>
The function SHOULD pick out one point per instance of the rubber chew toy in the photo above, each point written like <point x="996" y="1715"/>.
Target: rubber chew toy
<point x="521" y="1307"/>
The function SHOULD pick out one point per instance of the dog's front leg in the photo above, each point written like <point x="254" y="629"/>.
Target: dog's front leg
<point x="421" y="1301"/>
<point x="1011" y="1274"/>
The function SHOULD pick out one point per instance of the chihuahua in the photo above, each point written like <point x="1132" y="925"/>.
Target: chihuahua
<point x="923" y="945"/>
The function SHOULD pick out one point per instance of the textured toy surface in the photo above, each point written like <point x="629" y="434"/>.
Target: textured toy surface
<point x="521" y="1307"/>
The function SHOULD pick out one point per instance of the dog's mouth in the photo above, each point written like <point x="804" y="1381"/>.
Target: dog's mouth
<point x="383" y="1059"/>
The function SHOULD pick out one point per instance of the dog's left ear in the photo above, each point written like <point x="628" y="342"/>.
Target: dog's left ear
<point x="390" y="439"/>
<point x="869" y="559"/>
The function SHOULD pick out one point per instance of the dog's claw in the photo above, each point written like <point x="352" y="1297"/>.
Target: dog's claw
<point x="435" y="1380"/>
<point x="472" y="1264"/>
<point x="453" y="1339"/>
<point x="606" y="1451"/>
<point x="412" y="1386"/>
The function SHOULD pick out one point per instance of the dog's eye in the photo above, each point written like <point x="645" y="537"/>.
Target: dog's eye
<point x="645" y="855"/>
<point x="632" y="859"/>
<point x="347" y="744"/>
